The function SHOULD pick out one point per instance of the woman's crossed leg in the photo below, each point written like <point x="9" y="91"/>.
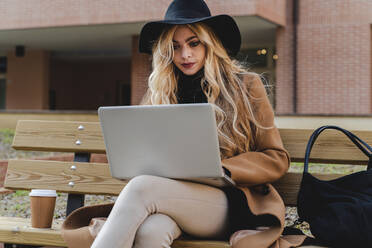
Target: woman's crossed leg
<point x="199" y="210"/>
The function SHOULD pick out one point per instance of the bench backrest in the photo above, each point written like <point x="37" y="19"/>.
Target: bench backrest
<point x="94" y="178"/>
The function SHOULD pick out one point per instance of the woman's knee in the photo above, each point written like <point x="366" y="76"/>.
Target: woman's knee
<point x="140" y="184"/>
<point x="144" y="186"/>
<point x="158" y="230"/>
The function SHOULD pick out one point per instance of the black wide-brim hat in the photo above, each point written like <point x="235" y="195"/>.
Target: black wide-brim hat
<point x="187" y="12"/>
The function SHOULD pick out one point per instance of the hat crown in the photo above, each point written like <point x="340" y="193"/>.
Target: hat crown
<point x="187" y="9"/>
<point x="182" y="12"/>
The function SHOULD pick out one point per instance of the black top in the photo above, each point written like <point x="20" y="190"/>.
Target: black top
<point x="240" y="216"/>
<point x="189" y="88"/>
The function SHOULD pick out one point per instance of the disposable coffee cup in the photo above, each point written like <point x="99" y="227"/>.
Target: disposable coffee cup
<point x="43" y="202"/>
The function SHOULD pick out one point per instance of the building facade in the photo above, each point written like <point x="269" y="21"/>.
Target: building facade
<point x="315" y="55"/>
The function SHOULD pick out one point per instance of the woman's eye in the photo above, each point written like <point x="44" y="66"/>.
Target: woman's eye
<point x="175" y="47"/>
<point x="194" y="43"/>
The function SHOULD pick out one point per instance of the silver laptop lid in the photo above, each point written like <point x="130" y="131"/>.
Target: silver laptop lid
<point x="174" y="141"/>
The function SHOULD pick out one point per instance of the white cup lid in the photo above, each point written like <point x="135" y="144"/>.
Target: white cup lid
<point x="43" y="193"/>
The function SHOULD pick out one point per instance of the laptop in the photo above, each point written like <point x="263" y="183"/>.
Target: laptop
<point x="177" y="141"/>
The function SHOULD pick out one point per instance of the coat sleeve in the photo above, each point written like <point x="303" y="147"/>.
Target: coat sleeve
<point x="270" y="160"/>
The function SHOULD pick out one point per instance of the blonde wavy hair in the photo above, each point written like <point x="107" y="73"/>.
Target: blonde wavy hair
<point x="222" y="84"/>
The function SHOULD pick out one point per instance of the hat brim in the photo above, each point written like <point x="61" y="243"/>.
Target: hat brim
<point x="224" y="27"/>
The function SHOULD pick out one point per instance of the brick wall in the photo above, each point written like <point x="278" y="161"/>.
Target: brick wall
<point x="273" y="10"/>
<point x="335" y="12"/>
<point x="18" y="14"/>
<point x="141" y="68"/>
<point x="334" y="59"/>
<point x="334" y="69"/>
<point x="28" y="80"/>
<point x="284" y="65"/>
<point x="334" y="43"/>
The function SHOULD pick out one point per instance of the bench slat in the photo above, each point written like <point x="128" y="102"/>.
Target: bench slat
<point x="59" y="136"/>
<point x="88" y="178"/>
<point x="19" y="231"/>
<point x="199" y="244"/>
<point x="95" y="178"/>
<point x="331" y="146"/>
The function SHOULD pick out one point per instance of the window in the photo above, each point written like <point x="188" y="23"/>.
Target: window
<point x="2" y="93"/>
<point x="3" y="64"/>
<point x="254" y="57"/>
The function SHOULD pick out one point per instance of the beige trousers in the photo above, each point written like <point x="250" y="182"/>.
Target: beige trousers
<point x="151" y="212"/>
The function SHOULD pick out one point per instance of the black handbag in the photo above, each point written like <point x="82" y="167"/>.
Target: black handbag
<point x="339" y="211"/>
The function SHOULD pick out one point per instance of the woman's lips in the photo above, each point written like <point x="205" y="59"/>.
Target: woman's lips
<point x="188" y="65"/>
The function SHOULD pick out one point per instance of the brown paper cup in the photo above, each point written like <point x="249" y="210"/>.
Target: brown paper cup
<point x="42" y="208"/>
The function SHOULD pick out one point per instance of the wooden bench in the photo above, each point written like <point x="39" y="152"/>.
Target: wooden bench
<point x="82" y="177"/>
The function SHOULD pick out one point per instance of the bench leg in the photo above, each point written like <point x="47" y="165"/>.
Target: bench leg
<point x="75" y="201"/>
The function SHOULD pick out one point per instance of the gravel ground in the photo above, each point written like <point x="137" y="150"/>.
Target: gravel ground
<point x="17" y="203"/>
<point x="7" y="152"/>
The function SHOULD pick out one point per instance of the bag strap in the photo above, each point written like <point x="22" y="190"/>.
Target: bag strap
<point x="363" y="146"/>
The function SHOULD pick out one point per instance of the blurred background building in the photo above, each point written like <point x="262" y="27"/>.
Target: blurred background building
<point x="82" y="54"/>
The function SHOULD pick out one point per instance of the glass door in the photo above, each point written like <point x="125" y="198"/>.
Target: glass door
<point x="2" y="93"/>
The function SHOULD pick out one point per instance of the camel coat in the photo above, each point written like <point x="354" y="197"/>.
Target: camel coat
<point x="267" y="163"/>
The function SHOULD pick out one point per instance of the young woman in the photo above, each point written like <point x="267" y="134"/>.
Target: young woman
<point x="191" y="64"/>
